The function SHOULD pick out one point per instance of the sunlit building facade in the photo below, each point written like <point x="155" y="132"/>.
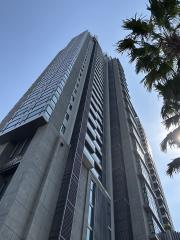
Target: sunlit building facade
<point x="74" y="159"/>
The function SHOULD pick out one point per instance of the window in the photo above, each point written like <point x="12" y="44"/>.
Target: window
<point x="59" y="90"/>
<point x="99" y="132"/>
<point x="144" y="172"/>
<point x="63" y="129"/>
<point x="70" y="107"/>
<point x="54" y="98"/>
<point x="49" y="110"/>
<point x="153" y="225"/>
<point x="35" y="113"/>
<point x="90" y="216"/>
<point x="67" y="116"/>
<point x="98" y="171"/>
<point x="99" y="155"/>
<point x="91" y="123"/>
<point x="13" y="123"/>
<point x="89" y="235"/>
<point x="72" y="98"/>
<point x="150" y="200"/>
<point x="5" y="179"/>
<point x="89" y="148"/>
<point x="92" y="113"/>
<point x="90" y="134"/>
<point x="99" y="142"/>
<point x="15" y="150"/>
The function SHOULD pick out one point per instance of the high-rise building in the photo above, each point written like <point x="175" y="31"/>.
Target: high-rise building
<point x="74" y="159"/>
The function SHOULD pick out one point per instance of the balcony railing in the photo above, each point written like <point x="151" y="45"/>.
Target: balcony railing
<point x="11" y="163"/>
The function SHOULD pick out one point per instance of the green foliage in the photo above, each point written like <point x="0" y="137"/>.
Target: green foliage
<point x="163" y="11"/>
<point x="172" y="139"/>
<point x="154" y="45"/>
<point x="173" y="166"/>
<point x="126" y="44"/>
<point x="138" y="26"/>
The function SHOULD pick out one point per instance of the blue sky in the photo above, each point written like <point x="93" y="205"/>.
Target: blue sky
<point x="32" y="32"/>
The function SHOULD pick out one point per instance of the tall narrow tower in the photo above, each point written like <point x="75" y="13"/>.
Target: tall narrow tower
<point x="74" y="159"/>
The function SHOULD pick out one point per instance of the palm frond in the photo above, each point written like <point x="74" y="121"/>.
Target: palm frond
<point x="172" y="139"/>
<point x="171" y="7"/>
<point x="147" y="63"/>
<point x="173" y="166"/>
<point x="162" y="11"/>
<point x="157" y="10"/>
<point x="172" y="121"/>
<point x="166" y="110"/>
<point x="125" y="44"/>
<point x="170" y="90"/>
<point x="151" y="49"/>
<point x="172" y="45"/>
<point x="165" y="68"/>
<point x="137" y="53"/>
<point x="150" y="79"/>
<point x="170" y="108"/>
<point x="138" y="26"/>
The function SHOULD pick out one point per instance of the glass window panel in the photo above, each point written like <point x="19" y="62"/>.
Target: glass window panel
<point x="89" y="235"/>
<point x="54" y="98"/>
<point x="37" y="112"/>
<point x="52" y="104"/>
<point x="49" y="110"/>
<point x="67" y="116"/>
<point x="151" y="202"/>
<point x="14" y="122"/>
<point x="90" y="216"/>
<point x="140" y="152"/>
<point x="46" y="115"/>
<point x="70" y="106"/>
<point x="63" y="129"/>
<point x="156" y="227"/>
<point x="41" y="106"/>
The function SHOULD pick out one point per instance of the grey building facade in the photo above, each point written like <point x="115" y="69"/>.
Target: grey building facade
<point x="74" y="159"/>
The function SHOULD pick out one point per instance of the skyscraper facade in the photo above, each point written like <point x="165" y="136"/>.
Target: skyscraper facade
<point x="74" y="159"/>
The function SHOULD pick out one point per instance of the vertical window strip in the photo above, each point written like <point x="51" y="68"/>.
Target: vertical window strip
<point x="90" y="226"/>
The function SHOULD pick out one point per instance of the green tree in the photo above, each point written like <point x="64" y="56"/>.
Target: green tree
<point x="153" y="43"/>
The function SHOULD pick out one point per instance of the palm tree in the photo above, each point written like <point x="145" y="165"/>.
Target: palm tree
<point x="171" y="114"/>
<point x="172" y="139"/>
<point x="173" y="166"/>
<point x="154" y="45"/>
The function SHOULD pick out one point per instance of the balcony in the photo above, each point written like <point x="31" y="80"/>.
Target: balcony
<point x="11" y="163"/>
<point x="160" y="200"/>
<point x="97" y="160"/>
<point x="162" y="209"/>
<point x="158" y="191"/>
<point x="87" y="159"/>
<point x="91" y="129"/>
<point x="156" y="185"/>
<point x="165" y="218"/>
<point x="154" y="237"/>
<point x="97" y="146"/>
<point x="88" y="139"/>
<point x="154" y="179"/>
